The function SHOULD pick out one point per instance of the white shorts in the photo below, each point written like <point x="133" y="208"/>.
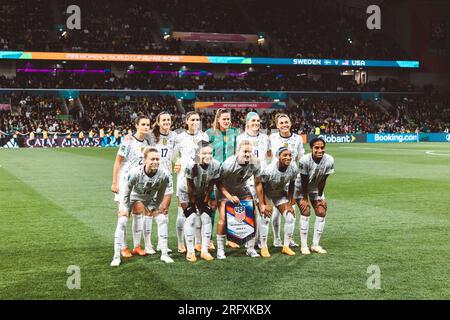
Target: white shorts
<point x="169" y="189"/>
<point x="313" y="194"/>
<point x="245" y="193"/>
<point x="127" y="207"/>
<point x="122" y="185"/>
<point x="278" y="199"/>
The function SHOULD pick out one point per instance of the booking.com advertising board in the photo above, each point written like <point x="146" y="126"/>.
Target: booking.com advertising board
<point x="382" y="137"/>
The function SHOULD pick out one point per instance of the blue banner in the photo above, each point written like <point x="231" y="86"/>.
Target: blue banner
<point x="434" y="137"/>
<point x="392" y="137"/>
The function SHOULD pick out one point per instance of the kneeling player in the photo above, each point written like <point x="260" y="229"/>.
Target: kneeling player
<point x="315" y="167"/>
<point x="194" y="194"/>
<point x="279" y="174"/>
<point x="234" y="173"/>
<point x="144" y="194"/>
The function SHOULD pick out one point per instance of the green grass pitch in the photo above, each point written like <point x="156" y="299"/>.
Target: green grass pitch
<point x="389" y="205"/>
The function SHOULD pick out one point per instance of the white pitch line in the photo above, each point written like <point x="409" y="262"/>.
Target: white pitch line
<point x="433" y="153"/>
<point x="384" y="149"/>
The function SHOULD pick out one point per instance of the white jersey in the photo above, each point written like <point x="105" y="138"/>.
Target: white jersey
<point x="315" y="171"/>
<point x="294" y="143"/>
<point x="133" y="153"/>
<point x="165" y="146"/>
<point x="188" y="144"/>
<point x="276" y="182"/>
<point x="200" y="176"/>
<point x="260" y="143"/>
<point x="148" y="189"/>
<point x="234" y="176"/>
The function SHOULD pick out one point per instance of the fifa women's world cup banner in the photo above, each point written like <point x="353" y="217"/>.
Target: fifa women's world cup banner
<point x="203" y="105"/>
<point x="240" y="221"/>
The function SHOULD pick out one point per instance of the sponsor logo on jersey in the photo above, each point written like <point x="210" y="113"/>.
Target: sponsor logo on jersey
<point x="164" y="141"/>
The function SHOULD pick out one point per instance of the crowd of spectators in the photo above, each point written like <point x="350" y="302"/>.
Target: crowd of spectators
<point x="260" y="81"/>
<point x="332" y="115"/>
<point x="292" y="28"/>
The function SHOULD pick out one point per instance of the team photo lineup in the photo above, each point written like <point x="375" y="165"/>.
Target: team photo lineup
<point x="235" y="166"/>
<point x="243" y="152"/>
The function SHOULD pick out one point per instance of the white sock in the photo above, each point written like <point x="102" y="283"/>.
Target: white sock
<point x="189" y="226"/>
<point x="318" y="230"/>
<point x="304" y="226"/>
<point x="119" y="236"/>
<point x="264" y="231"/>
<point x="137" y="226"/>
<point x="221" y="243"/>
<point x="250" y="244"/>
<point x="206" y="231"/>
<point x="161" y="220"/>
<point x="180" y="226"/>
<point x="258" y="226"/>
<point x="276" y="223"/>
<point x="289" y="225"/>
<point x="198" y="229"/>
<point x="148" y="231"/>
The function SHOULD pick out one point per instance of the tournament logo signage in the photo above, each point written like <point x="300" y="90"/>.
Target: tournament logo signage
<point x="240" y="221"/>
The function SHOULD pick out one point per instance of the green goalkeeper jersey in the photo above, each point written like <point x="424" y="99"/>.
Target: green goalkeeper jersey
<point x="223" y="143"/>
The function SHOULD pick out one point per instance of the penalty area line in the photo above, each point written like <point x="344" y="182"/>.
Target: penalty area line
<point x="433" y="153"/>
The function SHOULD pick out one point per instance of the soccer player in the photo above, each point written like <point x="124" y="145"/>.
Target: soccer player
<point x="315" y="167"/>
<point x="144" y="195"/>
<point x="163" y="139"/>
<point x="279" y="174"/>
<point x="194" y="194"/>
<point x="223" y="139"/>
<point x="129" y="156"/>
<point x="261" y="147"/>
<point x="232" y="185"/>
<point x="284" y="138"/>
<point x="187" y="144"/>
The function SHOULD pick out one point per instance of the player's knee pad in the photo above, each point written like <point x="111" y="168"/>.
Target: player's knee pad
<point x="190" y="209"/>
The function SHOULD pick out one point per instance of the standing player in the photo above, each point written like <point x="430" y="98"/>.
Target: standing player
<point x="284" y="138"/>
<point x="128" y="156"/>
<point x="276" y="176"/>
<point x="144" y="194"/>
<point x="163" y="139"/>
<point x="315" y="167"/>
<point x="234" y="173"/>
<point x="194" y="194"/>
<point x="223" y="139"/>
<point x="261" y="150"/>
<point x="187" y="144"/>
<point x="45" y="137"/>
